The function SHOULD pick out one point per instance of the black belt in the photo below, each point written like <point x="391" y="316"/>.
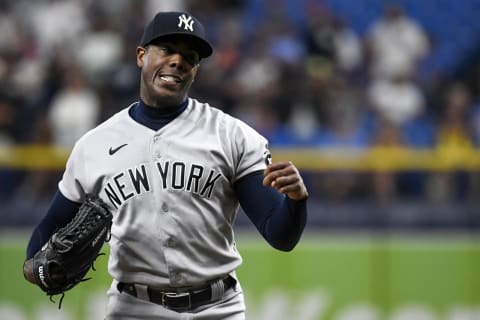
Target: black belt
<point x="177" y="300"/>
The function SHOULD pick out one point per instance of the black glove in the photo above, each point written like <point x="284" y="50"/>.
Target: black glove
<point x="69" y="254"/>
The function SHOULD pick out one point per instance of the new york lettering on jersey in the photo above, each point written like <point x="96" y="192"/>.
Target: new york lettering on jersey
<point x="176" y="175"/>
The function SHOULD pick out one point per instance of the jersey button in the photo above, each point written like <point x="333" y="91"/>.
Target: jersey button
<point x="158" y="155"/>
<point x="165" y="207"/>
<point x="171" y="242"/>
<point x="177" y="277"/>
<point x="156" y="138"/>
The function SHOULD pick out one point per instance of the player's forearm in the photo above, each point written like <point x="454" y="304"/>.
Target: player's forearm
<point x="280" y="220"/>
<point x="35" y="243"/>
<point x="285" y="226"/>
<point x="60" y="212"/>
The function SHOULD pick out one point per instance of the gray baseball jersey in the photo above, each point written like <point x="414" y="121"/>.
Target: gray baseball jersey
<point x="171" y="192"/>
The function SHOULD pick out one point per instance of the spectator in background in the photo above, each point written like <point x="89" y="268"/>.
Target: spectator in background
<point x="8" y="178"/>
<point x="259" y="113"/>
<point x="396" y="99"/>
<point x="475" y="120"/>
<point x="303" y="124"/>
<point x="216" y="82"/>
<point x="475" y="124"/>
<point x="8" y="121"/>
<point x="10" y="39"/>
<point x="395" y="44"/>
<point x="286" y="45"/>
<point x="320" y="33"/>
<point x="257" y="74"/>
<point x="399" y="114"/>
<point x="99" y="50"/>
<point x="20" y="69"/>
<point x="122" y="84"/>
<point x="384" y="182"/>
<point x="347" y="47"/>
<point x="74" y="110"/>
<point x="55" y="23"/>
<point x="345" y="122"/>
<point x="454" y="138"/>
<point x="344" y="128"/>
<point x="152" y="6"/>
<point x="454" y="129"/>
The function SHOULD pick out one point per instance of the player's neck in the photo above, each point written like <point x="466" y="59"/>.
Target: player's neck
<point x="154" y="118"/>
<point x="164" y="112"/>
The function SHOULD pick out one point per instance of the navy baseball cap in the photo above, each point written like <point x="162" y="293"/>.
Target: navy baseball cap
<point x="168" y="24"/>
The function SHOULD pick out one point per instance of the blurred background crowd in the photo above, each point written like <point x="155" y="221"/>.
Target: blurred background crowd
<point x="304" y="73"/>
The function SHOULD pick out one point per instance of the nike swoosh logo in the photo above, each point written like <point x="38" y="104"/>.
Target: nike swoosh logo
<point x="113" y="151"/>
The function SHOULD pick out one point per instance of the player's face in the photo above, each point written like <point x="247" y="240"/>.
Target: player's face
<point x="168" y="70"/>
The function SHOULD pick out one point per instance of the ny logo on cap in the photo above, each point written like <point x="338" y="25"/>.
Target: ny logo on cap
<point x="186" y="21"/>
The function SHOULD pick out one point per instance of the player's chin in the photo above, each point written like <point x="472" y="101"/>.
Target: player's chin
<point x="169" y="95"/>
<point x="169" y="88"/>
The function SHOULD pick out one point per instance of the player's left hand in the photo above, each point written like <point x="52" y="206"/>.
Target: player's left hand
<point x="284" y="177"/>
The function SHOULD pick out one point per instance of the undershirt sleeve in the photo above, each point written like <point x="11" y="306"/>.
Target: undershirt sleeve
<point x="59" y="214"/>
<point x="279" y="219"/>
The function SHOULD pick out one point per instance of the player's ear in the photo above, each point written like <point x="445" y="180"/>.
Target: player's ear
<point x="195" y="71"/>
<point x="140" y="56"/>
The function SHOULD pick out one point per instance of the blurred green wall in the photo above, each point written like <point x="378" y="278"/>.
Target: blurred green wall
<point x="325" y="278"/>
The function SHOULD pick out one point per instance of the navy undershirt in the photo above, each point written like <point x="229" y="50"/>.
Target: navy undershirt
<point x="279" y="219"/>
<point x="155" y="118"/>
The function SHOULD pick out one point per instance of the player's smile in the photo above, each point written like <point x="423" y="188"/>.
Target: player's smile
<point x="167" y="84"/>
<point x="170" y="80"/>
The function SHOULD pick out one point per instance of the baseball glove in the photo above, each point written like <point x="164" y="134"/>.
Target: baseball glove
<point x="69" y="254"/>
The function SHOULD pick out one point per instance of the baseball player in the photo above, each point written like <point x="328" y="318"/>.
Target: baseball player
<point x="174" y="171"/>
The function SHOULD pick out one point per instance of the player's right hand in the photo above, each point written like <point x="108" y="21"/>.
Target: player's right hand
<point x="284" y="177"/>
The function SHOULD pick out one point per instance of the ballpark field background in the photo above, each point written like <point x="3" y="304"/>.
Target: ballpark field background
<point x="342" y="277"/>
